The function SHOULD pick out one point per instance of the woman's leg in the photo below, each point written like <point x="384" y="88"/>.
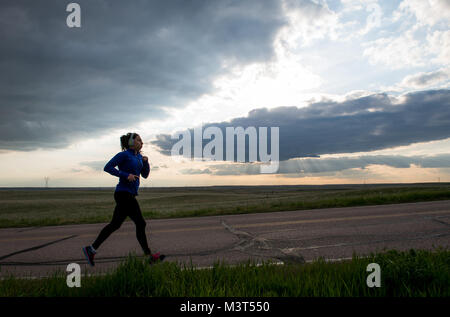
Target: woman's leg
<point x="120" y="213"/>
<point x="136" y="215"/>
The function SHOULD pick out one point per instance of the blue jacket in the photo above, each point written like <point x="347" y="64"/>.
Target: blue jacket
<point x="129" y="163"/>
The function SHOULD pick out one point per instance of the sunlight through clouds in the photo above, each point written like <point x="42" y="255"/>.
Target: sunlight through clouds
<point x="341" y="68"/>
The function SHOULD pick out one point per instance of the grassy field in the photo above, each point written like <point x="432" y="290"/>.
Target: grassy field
<point x="413" y="273"/>
<point x="44" y="207"/>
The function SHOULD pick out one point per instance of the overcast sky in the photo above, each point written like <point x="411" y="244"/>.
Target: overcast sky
<point x="359" y="89"/>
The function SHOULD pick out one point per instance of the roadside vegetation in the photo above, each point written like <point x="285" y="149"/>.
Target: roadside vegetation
<point x="413" y="273"/>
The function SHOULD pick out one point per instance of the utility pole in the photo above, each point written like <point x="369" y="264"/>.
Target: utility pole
<point x="46" y="178"/>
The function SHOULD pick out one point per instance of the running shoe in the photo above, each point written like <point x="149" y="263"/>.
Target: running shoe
<point x="156" y="258"/>
<point x="89" y="254"/>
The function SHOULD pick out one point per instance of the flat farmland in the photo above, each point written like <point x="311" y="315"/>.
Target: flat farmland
<point x="27" y="207"/>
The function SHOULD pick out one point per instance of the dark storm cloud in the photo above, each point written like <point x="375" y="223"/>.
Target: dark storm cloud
<point x="128" y="59"/>
<point x="308" y="166"/>
<point x="359" y="125"/>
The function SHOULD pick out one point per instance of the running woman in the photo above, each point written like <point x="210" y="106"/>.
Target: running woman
<point x="131" y="164"/>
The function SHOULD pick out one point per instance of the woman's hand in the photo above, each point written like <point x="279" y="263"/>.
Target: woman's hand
<point x="132" y="178"/>
<point x="145" y="158"/>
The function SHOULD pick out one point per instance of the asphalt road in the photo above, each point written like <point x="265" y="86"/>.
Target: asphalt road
<point x="293" y="236"/>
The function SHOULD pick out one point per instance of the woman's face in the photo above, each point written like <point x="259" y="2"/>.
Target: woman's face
<point x="137" y="143"/>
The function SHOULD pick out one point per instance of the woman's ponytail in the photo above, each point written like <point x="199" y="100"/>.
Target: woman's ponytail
<point x="124" y="142"/>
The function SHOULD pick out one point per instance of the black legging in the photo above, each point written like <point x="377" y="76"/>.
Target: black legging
<point x="126" y="205"/>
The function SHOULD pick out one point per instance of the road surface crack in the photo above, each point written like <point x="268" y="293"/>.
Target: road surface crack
<point x="257" y="246"/>
<point x="36" y="247"/>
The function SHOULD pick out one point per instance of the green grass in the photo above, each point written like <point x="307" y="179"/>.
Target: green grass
<point x="46" y="207"/>
<point x="414" y="273"/>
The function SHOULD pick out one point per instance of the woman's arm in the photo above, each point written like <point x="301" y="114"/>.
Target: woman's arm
<point x="110" y="167"/>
